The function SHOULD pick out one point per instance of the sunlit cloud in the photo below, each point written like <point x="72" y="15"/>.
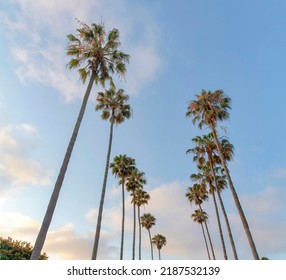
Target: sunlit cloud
<point x="172" y="211"/>
<point x="18" y="169"/>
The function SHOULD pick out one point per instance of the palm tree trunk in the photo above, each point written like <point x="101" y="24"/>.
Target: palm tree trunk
<point x="123" y="221"/>
<point x="205" y="241"/>
<point x="219" y="227"/>
<point x="134" y="227"/>
<point x="216" y="208"/>
<point x="227" y="226"/>
<point x="235" y="196"/>
<point x="150" y="238"/>
<point x="100" y="211"/>
<point x="57" y="188"/>
<point x="159" y="254"/>
<point x="139" y="225"/>
<point x="209" y="237"/>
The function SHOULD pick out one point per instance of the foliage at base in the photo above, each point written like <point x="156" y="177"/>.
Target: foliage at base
<point x="16" y="250"/>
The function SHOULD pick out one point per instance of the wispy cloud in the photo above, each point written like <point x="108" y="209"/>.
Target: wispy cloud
<point x="43" y="27"/>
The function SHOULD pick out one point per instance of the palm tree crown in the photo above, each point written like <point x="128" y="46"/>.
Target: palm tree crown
<point x="122" y="166"/>
<point x="200" y="216"/>
<point x="113" y="105"/>
<point x="159" y="240"/>
<point x="209" y="107"/>
<point x="93" y="51"/>
<point x="197" y="194"/>
<point x="147" y="221"/>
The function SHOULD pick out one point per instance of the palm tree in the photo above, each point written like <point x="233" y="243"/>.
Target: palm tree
<point x="205" y="146"/>
<point x="122" y="167"/>
<point x="141" y="198"/>
<point x="160" y="241"/>
<point x="113" y="107"/>
<point x="96" y="55"/>
<point x="147" y="221"/>
<point x="197" y="195"/>
<point x="135" y="181"/>
<point x="208" y="109"/>
<point x="201" y="217"/>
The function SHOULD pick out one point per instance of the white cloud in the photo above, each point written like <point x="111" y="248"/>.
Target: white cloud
<point x="43" y="25"/>
<point x="172" y="211"/>
<point x="18" y="169"/>
<point x="61" y="243"/>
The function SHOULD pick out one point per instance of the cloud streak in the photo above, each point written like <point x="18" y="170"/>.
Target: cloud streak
<point x="42" y="59"/>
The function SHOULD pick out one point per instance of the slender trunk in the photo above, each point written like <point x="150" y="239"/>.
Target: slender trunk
<point x="134" y="227"/>
<point x="150" y="238"/>
<point x="206" y="241"/>
<point x="219" y="227"/>
<point x="123" y="221"/>
<point x="100" y="211"/>
<point x="235" y="196"/>
<point x="139" y="225"/>
<point x="209" y="237"/>
<point x="54" y="197"/>
<point x="216" y="210"/>
<point x="159" y="254"/>
<point x="227" y="226"/>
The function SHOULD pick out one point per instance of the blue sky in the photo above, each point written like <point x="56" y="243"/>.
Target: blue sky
<point x="177" y="49"/>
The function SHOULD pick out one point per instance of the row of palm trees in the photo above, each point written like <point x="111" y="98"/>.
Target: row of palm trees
<point x="130" y="178"/>
<point x="95" y="54"/>
<point x="211" y="154"/>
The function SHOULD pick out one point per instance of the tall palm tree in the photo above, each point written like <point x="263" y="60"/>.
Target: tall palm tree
<point x="141" y="198"/>
<point x="115" y="110"/>
<point x="122" y="167"/>
<point x="201" y="217"/>
<point x="96" y="55"/>
<point x="135" y="181"/>
<point x="159" y="240"/>
<point x="205" y="149"/>
<point x="208" y="109"/>
<point x="197" y="195"/>
<point x="147" y="221"/>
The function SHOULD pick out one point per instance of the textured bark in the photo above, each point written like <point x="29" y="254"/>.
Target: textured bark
<point x="100" y="211"/>
<point x="235" y="197"/>
<point x="57" y="188"/>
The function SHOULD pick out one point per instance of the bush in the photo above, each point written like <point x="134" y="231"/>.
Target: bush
<point x="16" y="250"/>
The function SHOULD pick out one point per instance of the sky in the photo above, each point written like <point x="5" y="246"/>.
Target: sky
<point x="177" y="48"/>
